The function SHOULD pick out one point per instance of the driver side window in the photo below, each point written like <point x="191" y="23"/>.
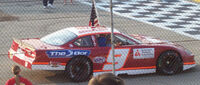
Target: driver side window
<point x="84" y="42"/>
<point x="103" y="40"/>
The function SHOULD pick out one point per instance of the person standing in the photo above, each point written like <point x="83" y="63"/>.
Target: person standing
<point x="48" y="4"/>
<point x="17" y="79"/>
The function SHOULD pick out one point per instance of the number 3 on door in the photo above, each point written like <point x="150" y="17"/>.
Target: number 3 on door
<point x="120" y="58"/>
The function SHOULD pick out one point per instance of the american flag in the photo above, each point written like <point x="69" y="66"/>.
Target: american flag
<point x="93" y="17"/>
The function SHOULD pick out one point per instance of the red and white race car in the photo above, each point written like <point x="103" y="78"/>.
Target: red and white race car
<point x="85" y="51"/>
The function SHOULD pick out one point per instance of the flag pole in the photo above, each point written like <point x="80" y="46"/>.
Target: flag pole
<point x="112" y="39"/>
<point x="96" y="10"/>
<point x="94" y="22"/>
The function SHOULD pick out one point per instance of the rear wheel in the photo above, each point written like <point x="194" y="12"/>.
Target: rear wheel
<point x="79" y="69"/>
<point x="169" y="63"/>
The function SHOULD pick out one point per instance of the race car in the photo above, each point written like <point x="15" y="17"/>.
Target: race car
<point x="85" y="51"/>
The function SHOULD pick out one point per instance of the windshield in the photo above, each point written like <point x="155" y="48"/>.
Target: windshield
<point x="59" y="37"/>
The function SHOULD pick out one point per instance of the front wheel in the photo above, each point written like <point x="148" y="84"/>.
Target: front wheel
<point x="79" y="69"/>
<point x="169" y="63"/>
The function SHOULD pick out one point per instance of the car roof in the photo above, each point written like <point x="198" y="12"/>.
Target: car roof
<point x="85" y="30"/>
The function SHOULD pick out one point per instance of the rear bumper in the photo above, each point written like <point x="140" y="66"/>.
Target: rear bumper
<point x="28" y="62"/>
<point x="20" y="58"/>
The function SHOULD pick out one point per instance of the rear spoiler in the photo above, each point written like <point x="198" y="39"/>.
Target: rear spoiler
<point x="23" y="45"/>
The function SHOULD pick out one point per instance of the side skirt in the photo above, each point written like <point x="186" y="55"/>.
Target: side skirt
<point x="140" y="71"/>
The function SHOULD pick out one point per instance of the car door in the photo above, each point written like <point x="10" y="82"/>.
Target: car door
<point x="101" y="51"/>
<point x="130" y="55"/>
<point x="122" y="54"/>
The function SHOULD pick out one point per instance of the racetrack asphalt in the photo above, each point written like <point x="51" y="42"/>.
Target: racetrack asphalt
<point x="33" y="21"/>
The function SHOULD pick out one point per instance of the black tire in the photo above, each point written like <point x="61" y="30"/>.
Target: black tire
<point x="79" y="69"/>
<point x="169" y="63"/>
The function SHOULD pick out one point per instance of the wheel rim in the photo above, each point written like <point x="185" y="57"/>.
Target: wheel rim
<point x="170" y="64"/>
<point x="79" y="70"/>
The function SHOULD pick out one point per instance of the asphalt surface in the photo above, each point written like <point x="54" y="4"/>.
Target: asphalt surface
<point x="33" y="21"/>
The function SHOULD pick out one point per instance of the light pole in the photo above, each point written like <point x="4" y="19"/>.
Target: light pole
<point x="112" y="39"/>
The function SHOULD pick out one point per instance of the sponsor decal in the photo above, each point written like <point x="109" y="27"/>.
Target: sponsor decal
<point x="143" y="53"/>
<point x="66" y="53"/>
<point x="99" y="59"/>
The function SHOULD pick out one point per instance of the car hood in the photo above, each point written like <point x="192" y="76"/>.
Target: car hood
<point x="39" y="45"/>
<point x="149" y="40"/>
